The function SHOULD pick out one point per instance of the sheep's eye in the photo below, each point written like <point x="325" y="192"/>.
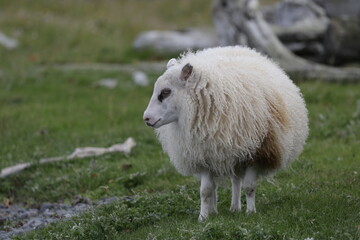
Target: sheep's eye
<point x="164" y="94"/>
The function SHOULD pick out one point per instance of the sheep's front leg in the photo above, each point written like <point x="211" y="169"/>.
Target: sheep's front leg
<point x="207" y="195"/>
<point x="236" y="194"/>
<point x="250" y="179"/>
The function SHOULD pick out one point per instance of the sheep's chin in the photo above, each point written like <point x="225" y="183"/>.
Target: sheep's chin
<point x="160" y="123"/>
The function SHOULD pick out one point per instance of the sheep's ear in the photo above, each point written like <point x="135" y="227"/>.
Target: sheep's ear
<point x="171" y="63"/>
<point x="186" y="72"/>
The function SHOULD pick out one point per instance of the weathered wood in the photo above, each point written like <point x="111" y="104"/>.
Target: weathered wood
<point x="77" y="154"/>
<point x="238" y="22"/>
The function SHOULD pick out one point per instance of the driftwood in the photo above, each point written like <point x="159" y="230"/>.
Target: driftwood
<point x="78" y="153"/>
<point x="238" y="22"/>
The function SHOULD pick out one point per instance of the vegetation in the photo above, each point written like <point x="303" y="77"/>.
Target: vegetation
<point x="50" y="112"/>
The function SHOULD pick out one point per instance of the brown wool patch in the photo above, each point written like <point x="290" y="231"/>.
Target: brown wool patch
<point x="269" y="154"/>
<point x="278" y="111"/>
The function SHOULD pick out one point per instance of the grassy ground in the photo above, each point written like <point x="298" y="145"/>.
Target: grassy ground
<point x="88" y="31"/>
<point x="49" y="113"/>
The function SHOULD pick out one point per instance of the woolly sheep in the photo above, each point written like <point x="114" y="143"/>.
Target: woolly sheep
<point x="227" y="112"/>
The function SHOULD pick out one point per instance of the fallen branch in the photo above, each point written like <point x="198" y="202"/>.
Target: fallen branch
<point x="78" y="153"/>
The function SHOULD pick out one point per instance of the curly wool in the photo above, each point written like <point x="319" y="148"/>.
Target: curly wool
<point x="238" y="109"/>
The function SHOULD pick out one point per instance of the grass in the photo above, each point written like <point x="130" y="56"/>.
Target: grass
<point x="54" y="112"/>
<point x="88" y="31"/>
<point x="50" y="112"/>
<point x="316" y="197"/>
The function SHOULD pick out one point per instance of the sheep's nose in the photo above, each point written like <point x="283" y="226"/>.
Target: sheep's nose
<point x="147" y="121"/>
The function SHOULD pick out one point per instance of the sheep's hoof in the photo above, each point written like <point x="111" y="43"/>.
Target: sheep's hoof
<point x="202" y="218"/>
<point x="235" y="209"/>
<point x="250" y="211"/>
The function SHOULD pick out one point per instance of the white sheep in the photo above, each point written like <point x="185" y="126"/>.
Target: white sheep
<point x="227" y="111"/>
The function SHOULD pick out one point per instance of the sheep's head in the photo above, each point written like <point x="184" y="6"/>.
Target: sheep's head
<point x="163" y="107"/>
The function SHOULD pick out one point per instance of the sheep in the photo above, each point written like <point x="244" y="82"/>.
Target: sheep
<point x="227" y="112"/>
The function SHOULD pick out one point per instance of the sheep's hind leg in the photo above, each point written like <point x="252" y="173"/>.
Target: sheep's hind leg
<point x="236" y="194"/>
<point x="207" y="195"/>
<point x="250" y="179"/>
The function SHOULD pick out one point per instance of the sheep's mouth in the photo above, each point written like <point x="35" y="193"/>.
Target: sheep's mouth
<point x="153" y="125"/>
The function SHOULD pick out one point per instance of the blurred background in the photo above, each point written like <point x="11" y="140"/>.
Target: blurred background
<point x="91" y="31"/>
<point x="80" y="74"/>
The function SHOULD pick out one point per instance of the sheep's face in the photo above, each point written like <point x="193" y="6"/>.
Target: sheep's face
<point x="163" y="107"/>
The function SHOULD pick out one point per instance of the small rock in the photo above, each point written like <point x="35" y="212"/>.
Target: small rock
<point x="46" y="206"/>
<point x="61" y="213"/>
<point x="108" y="200"/>
<point x="22" y="215"/>
<point x="7" y="42"/>
<point x="34" y="223"/>
<point x="48" y="213"/>
<point x="32" y="212"/>
<point x="81" y="207"/>
<point x="107" y="83"/>
<point x="63" y="206"/>
<point x="29" y="219"/>
<point x="176" y="41"/>
<point x="80" y="199"/>
<point x="128" y="198"/>
<point x="140" y="78"/>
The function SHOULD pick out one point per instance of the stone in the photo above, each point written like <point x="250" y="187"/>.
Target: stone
<point x="341" y="40"/>
<point x="107" y="83"/>
<point x="33" y="224"/>
<point x="25" y="220"/>
<point x="107" y="200"/>
<point x="176" y="41"/>
<point x="48" y="213"/>
<point x="140" y="78"/>
<point x="80" y="199"/>
<point x="296" y="20"/>
<point x="8" y="42"/>
<point x="61" y="213"/>
<point x="46" y="206"/>
<point x="340" y="8"/>
<point x="81" y="207"/>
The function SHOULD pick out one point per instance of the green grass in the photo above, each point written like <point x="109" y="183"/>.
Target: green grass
<point x="47" y="113"/>
<point x="317" y="197"/>
<point x="52" y="113"/>
<point x="88" y="31"/>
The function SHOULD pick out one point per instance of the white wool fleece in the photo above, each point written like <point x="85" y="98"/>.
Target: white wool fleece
<point x="227" y="107"/>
